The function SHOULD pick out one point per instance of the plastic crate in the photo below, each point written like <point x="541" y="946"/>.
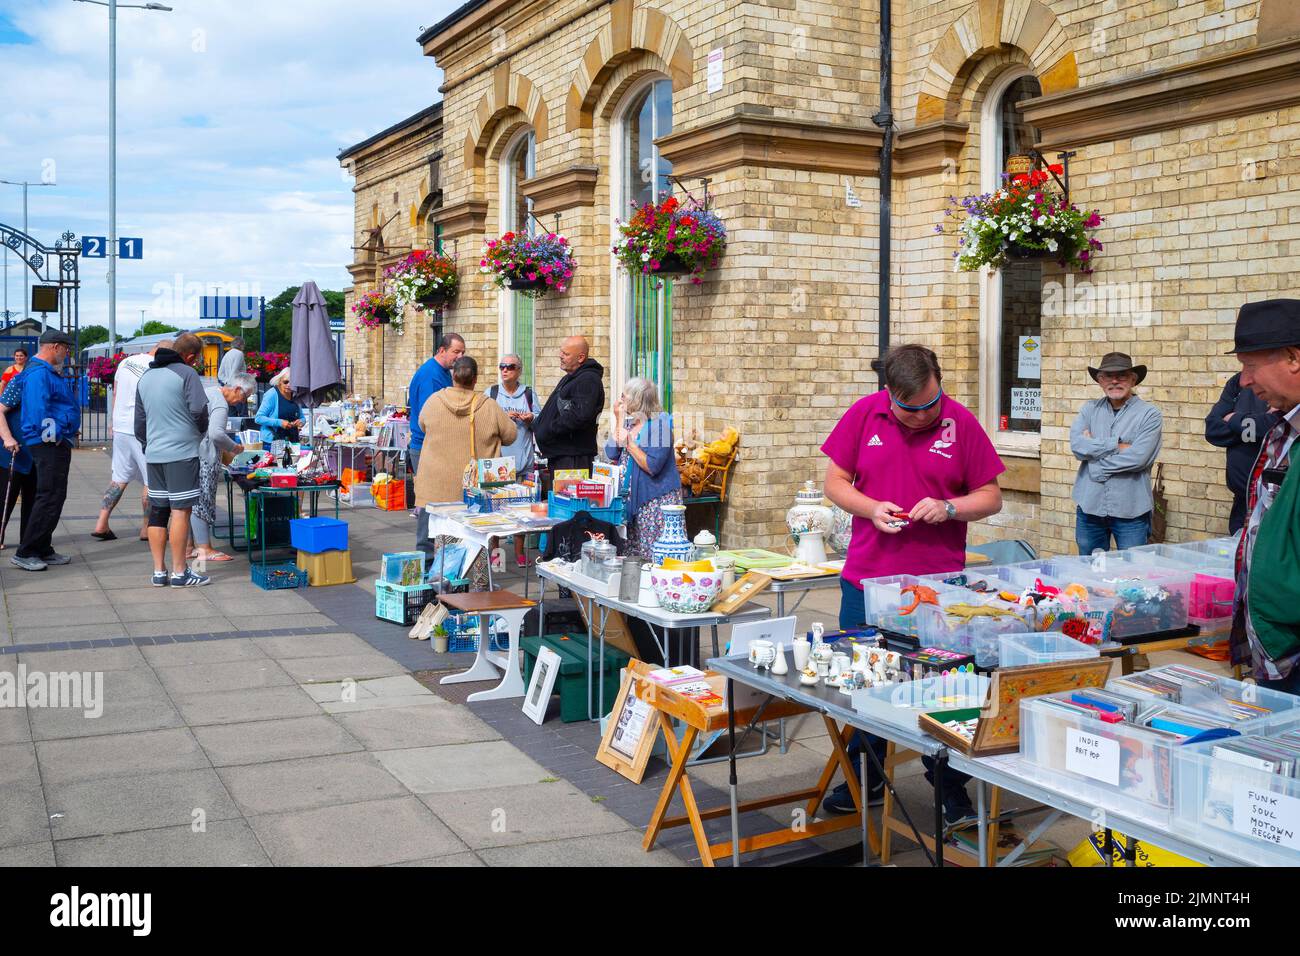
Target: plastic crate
<point x="399" y="603"/>
<point x="463" y="636"/>
<point x="315" y="535"/>
<point x="327" y="568"/>
<point x="390" y="496"/>
<point x="901" y="704"/>
<point x="485" y="503"/>
<point x="563" y="509"/>
<point x="1283" y="708"/>
<point x="278" y="577"/>
<point x="1047" y="647"/>
<point x="359" y="495"/>
<point x="1137" y="614"/>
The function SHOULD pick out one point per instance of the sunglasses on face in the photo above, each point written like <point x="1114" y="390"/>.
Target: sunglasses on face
<point x="507" y="368"/>
<point x="918" y="408"/>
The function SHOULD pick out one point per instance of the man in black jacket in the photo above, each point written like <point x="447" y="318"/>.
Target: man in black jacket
<point x="566" y="427"/>
<point x="1238" y="422"/>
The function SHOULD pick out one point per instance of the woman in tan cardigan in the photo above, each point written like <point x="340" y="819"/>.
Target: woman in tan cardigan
<point x="446" y="418"/>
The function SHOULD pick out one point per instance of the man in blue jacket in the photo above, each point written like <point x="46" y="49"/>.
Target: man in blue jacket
<point x="1238" y="422"/>
<point x="48" y="423"/>
<point x="433" y="376"/>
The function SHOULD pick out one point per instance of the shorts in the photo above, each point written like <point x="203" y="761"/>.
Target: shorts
<point x="174" y="484"/>
<point x="128" y="460"/>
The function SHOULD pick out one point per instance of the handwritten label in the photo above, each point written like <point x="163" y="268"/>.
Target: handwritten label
<point x="1092" y="755"/>
<point x="1271" y="817"/>
<point x="714" y="72"/>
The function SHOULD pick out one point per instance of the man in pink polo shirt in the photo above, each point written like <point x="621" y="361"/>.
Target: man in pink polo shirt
<point x="910" y="450"/>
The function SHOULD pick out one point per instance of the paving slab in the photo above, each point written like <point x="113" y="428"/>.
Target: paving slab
<point x="14" y="725"/>
<point x="68" y="613"/>
<point x="220" y="843"/>
<point x="144" y="802"/>
<point x="276" y="621"/>
<point x="455" y="860"/>
<point x="401" y="728"/>
<point x="85" y="758"/>
<point x="91" y="659"/>
<point x="338" y="691"/>
<point x="30" y="854"/>
<point x="14" y="581"/>
<point x="311" y="645"/>
<point x="120" y="716"/>
<point x="356" y="666"/>
<point x="476" y="766"/>
<point x="48" y="601"/>
<point x="607" y="849"/>
<point x="201" y="652"/>
<point x="240" y="706"/>
<point x="222" y="675"/>
<point x="207" y="624"/>
<point x="369" y="833"/>
<point x="362" y="704"/>
<point x="131" y="611"/>
<point x="310" y="782"/>
<point x="59" y="635"/>
<point x="533" y="813"/>
<point x="263" y="741"/>
<point x="403" y="685"/>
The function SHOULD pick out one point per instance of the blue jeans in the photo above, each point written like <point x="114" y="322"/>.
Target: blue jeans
<point x="1092" y="532"/>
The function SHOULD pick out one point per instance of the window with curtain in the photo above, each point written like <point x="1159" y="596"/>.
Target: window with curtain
<point x="516" y="216"/>
<point x="649" y="115"/>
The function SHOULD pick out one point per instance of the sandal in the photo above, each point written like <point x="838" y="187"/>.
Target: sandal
<point x="104" y="535"/>
<point x="215" y="556"/>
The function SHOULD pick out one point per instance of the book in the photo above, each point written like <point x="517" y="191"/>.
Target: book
<point x="675" y="675"/>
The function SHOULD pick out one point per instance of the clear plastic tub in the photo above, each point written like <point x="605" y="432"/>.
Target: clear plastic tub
<point x="900" y="704"/>
<point x="883" y="600"/>
<point x="1149" y="601"/>
<point x="1057" y="571"/>
<point x="1240" y="810"/>
<point x="1213" y="548"/>
<point x="1046" y="647"/>
<point x="1283" y="710"/>
<point x="938" y="628"/>
<point x="996" y="577"/>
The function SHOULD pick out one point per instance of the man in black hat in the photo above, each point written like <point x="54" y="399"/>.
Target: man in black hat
<point x="1116" y="439"/>
<point x="48" y="422"/>
<point x="1266" y="618"/>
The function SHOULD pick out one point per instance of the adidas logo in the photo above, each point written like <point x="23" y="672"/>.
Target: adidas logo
<point x="875" y="442"/>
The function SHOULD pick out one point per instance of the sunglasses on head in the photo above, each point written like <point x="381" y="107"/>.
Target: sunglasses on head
<point x="507" y="368"/>
<point x="918" y="408"/>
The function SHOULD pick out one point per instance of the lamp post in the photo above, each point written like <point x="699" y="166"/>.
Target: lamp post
<point x="26" y="278"/>
<point x="113" y="7"/>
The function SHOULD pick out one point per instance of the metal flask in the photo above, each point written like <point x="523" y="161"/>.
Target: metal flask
<point x="629" y="585"/>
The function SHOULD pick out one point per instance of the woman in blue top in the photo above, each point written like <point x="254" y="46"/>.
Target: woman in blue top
<point x="279" y="417"/>
<point x="644" y="431"/>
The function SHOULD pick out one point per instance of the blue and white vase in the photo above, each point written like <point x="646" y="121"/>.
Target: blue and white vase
<point x="672" y="541"/>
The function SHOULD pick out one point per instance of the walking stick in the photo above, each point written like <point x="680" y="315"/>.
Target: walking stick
<point x="9" y="499"/>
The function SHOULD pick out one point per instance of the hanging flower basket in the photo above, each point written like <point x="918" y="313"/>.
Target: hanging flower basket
<point x="422" y="279"/>
<point x="671" y="238"/>
<point x="435" y="300"/>
<point x="374" y="309"/>
<point x="264" y="365"/>
<point x="534" y="266"/>
<point x="1026" y="219"/>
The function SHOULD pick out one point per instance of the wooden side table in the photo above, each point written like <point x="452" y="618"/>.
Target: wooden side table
<point x="487" y="605"/>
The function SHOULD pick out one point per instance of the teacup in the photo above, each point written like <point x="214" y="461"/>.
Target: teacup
<point x="762" y="654"/>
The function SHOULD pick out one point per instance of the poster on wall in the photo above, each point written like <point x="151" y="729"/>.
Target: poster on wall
<point x="715" y="71"/>
<point x="1027" y="404"/>
<point x="1031" y="357"/>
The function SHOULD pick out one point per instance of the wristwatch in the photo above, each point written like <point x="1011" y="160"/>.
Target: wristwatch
<point x="952" y="509"/>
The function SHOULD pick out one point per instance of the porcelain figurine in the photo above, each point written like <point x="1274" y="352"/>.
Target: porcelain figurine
<point x="821" y="658"/>
<point x="808" y="677"/>
<point x="779" y="666"/>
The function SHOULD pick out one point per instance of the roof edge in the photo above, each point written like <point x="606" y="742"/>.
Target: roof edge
<point x="426" y="113"/>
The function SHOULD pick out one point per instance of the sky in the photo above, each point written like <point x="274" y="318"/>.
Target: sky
<point x="231" y="115"/>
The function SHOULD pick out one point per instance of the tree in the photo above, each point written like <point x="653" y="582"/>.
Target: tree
<point x="92" y="335"/>
<point x="154" y="327"/>
<point x="279" y="320"/>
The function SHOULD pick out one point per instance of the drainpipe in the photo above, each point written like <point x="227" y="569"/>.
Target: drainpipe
<point x="885" y="120"/>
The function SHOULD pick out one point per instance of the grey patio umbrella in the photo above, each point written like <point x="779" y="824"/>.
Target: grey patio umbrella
<point x="313" y="365"/>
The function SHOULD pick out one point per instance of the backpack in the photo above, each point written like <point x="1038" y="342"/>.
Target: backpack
<point x="495" y="390"/>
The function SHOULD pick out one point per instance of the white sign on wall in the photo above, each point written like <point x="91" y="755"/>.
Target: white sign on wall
<point x="1027" y="404"/>
<point x="715" y="71"/>
<point x="1031" y="357"/>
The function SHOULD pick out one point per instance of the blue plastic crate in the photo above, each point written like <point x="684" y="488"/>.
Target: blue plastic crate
<point x="462" y="635"/>
<point x="563" y="509"/>
<point x="315" y="535"/>
<point x="399" y="603"/>
<point x="486" y="504"/>
<point x="277" y="577"/>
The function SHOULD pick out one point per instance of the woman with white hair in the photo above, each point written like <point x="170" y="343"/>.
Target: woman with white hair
<point x="217" y="440"/>
<point x="643" y="441"/>
<point x="278" y="415"/>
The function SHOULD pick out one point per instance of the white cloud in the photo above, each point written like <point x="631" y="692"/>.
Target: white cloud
<point x="230" y="115"/>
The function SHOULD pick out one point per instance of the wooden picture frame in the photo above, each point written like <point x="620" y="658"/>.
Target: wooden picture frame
<point x="630" y="733"/>
<point x="745" y="589"/>
<point x="542" y="684"/>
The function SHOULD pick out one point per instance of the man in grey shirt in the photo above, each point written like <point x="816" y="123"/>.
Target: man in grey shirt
<point x="171" y="419"/>
<point x="1116" y="439"/>
<point x="232" y="364"/>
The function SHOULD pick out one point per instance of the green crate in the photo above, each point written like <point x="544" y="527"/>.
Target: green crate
<point x="571" y="682"/>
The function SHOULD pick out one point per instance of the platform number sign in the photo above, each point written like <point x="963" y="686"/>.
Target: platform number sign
<point x="130" y="248"/>
<point x="94" y="247"/>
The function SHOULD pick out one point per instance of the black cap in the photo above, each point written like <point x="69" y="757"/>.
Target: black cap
<point x="55" y="337"/>
<point x="1271" y="324"/>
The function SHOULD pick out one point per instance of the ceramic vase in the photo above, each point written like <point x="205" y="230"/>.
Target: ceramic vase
<point x="779" y="666"/>
<point x="672" y="541"/>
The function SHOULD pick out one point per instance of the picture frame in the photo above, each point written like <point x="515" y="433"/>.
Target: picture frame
<point x="542" y="685"/>
<point x="630" y="733"/>
<point x="745" y="589"/>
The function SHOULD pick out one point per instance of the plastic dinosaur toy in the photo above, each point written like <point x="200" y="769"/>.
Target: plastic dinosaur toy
<point x="920" y="595"/>
<point x="968" y="611"/>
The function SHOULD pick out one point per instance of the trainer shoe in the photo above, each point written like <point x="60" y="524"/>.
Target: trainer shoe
<point x="188" y="580"/>
<point x="840" y="800"/>
<point x="159" y="579"/>
<point x="55" y="558"/>
<point x="28" y="564"/>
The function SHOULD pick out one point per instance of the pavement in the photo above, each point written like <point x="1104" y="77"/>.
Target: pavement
<point x="243" y="727"/>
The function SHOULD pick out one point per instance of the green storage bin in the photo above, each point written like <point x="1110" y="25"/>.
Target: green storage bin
<point x="571" y="682"/>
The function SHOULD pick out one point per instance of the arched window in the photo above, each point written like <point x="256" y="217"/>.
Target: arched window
<point x="643" y="306"/>
<point x="1011" y="299"/>
<point x="518" y="163"/>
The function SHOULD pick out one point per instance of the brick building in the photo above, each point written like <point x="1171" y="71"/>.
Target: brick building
<point x="1183" y="118"/>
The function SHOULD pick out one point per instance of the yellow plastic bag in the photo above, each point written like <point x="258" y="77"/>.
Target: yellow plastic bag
<point x="1090" y="853"/>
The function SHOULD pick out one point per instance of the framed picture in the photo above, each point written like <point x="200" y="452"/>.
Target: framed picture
<point x="629" y="733"/>
<point x="542" y="684"/>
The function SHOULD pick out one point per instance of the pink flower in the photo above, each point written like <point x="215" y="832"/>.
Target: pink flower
<point x="532" y="277"/>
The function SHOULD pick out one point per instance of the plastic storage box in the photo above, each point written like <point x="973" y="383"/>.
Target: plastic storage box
<point x="562" y="509"/>
<point x="1237" y="809"/>
<point x="391" y="496"/>
<point x="277" y="577"/>
<point x="315" y="535"/>
<point x="1147" y="602"/>
<point x="937" y="628"/>
<point x="883" y="599"/>
<point x="327" y="568"/>
<point x="400" y="604"/>
<point x="1044" y="647"/>
<point x="900" y="704"/>
<point x="1283" y="709"/>
<point x="485" y="502"/>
